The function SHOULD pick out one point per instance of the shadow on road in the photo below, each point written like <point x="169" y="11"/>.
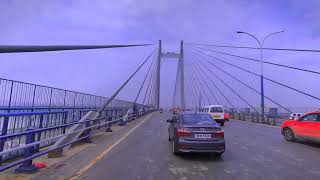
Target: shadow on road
<point x="310" y="143"/>
<point x="201" y="157"/>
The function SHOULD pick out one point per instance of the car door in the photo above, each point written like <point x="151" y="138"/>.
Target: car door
<point x="317" y="128"/>
<point x="176" y="124"/>
<point x="305" y="126"/>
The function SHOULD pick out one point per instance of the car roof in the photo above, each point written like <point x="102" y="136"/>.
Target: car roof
<point x="192" y="112"/>
<point x="212" y="105"/>
<point x="314" y="112"/>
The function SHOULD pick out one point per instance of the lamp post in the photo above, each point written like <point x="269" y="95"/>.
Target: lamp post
<point x="261" y="61"/>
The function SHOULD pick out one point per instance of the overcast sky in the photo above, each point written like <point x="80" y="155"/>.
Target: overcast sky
<point x="39" y="22"/>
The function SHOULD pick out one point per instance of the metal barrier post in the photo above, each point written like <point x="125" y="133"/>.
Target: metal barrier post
<point x="261" y="119"/>
<point x="87" y="132"/>
<point x="273" y="121"/>
<point x="37" y="147"/>
<point x="65" y="115"/>
<point x="27" y="166"/>
<point x="108" y="118"/>
<point x="267" y="120"/>
<point x="3" y="132"/>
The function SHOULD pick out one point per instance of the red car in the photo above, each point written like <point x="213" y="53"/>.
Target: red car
<point x="306" y="127"/>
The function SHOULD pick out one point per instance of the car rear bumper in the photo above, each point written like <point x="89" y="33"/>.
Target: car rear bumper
<point x="219" y="120"/>
<point x="201" y="151"/>
<point x="201" y="146"/>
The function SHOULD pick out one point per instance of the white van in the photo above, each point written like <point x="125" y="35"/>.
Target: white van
<point x="295" y="115"/>
<point x="217" y="112"/>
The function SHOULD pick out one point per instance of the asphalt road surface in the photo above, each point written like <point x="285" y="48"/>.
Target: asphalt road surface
<point x="253" y="151"/>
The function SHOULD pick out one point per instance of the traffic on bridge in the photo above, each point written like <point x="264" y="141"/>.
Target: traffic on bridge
<point x="207" y="107"/>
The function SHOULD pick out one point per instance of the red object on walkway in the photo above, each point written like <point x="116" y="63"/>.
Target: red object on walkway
<point x="40" y="165"/>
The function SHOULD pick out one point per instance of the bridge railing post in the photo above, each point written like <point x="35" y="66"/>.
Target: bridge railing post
<point x="108" y="118"/>
<point x="27" y="166"/>
<point x="37" y="147"/>
<point x="3" y="132"/>
<point x="86" y="132"/>
<point x="65" y="116"/>
<point x="274" y="121"/>
<point x="267" y="120"/>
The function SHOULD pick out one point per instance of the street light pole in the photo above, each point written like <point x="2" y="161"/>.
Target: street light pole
<point x="261" y="62"/>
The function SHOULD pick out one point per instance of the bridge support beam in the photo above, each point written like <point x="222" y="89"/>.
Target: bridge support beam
<point x="181" y="61"/>
<point x="157" y="89"/>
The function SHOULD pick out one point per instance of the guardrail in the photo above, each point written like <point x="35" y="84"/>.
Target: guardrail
<point x="32" y="96"/>
<point x="18" y="123"/>
<point x="257" y="118"/>
<point x="41" y="129"/>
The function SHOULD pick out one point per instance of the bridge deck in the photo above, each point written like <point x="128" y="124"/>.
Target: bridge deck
<point x="254" y="151"/>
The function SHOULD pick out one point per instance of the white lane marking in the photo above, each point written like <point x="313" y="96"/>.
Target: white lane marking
<point x="106" y="151"/>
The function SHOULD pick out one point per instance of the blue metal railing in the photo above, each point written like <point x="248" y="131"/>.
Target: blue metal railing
<point x="33" y="113"/>
<point x="32" y="97"/>
<point x="14" y="125"/>
<point x="41" y="129"/>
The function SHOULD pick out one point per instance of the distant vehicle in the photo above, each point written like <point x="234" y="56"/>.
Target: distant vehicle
<point x="305" y="127"/>
<point x="195" y="132"/>
<point x="175" y="110"/>
<point x="218" y="113"/>
<point x="161" y="110"/>
<point x="295" y="115"/>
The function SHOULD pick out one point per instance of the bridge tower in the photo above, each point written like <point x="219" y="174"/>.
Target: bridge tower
<point x="173" y="55"/>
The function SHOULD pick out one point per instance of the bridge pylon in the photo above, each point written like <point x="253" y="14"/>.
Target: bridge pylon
<point x="173" y="55"/>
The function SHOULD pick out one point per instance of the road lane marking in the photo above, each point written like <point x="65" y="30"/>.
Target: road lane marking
<point x="266" y="125"/>
<point x="106" y="151"/>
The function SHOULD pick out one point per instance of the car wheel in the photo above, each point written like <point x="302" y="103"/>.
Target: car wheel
<point x="175" y="150"/>
<point x="288" y="134"/>
<point x="219" y="154"/>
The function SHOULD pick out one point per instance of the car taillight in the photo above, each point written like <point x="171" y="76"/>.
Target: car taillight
<point x="219" y="133"/>
<point x="183" y="132"/>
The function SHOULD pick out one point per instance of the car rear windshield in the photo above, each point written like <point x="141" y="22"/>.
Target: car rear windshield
<point x="197" y="119"/>
<point x="216" y="109"/>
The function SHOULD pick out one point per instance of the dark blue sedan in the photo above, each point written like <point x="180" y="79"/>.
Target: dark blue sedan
<point x="195" y="132"/>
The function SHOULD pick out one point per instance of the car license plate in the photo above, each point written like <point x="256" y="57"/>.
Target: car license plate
<point x="202" y="136"/>
<point x="216" y="116"/>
